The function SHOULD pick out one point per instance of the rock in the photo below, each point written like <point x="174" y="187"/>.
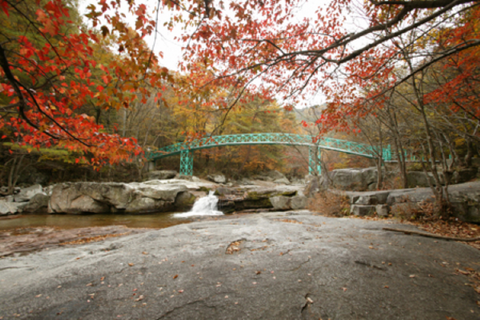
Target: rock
<point x="312" y="185"/>
<point x="464" y="175"/>
<point x="272" y="176"/>
<point x="162" y="174"/>
<point x="39" y="203"/>
<point x="91" y="197"/>
<point x="281" y="202"/>
<point x="282" y="181"/>
<point x="343" y="281"/>
<point x="143" y="204"/>
<point x="373" y="198"/>
<point x="217" y="178"/>
<point x="353" y="179"/>
<point x="362" y="210"/>
<point x="26" y="194"/>
<point x="8" y="208"/>
<point x="420" y="179"/>
<point x="382" y="210"/>
<point x="184" y="200"/>
<point x="298" y="202"/>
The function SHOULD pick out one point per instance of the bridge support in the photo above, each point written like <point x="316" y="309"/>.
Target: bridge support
<point x="186" y="163"/>
<point x="314" y="161"/>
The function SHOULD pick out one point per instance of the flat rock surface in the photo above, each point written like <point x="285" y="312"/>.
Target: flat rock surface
<point x="263" y="266"/>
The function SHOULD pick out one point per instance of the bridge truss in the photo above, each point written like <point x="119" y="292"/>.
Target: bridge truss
<point x="186" y="149"/>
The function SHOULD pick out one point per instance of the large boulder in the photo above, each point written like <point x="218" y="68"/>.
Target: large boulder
<point x="162" y="174"/>
<point x="354" y="179"/>
<point x="91" y="197"/>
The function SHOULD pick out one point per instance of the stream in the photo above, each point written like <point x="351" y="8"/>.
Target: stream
<point x="203" y="207"/>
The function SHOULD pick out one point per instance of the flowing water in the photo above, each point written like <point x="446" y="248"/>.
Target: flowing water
<point x="206" y="206"/>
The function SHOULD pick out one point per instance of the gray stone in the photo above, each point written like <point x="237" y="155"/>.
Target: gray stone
<point x="353" y="179"/>
<point x="420" y="179"/>
<point x="143" y="205"/>
<point x="162" y="174"/>
<point x="26" y="194"/>
<point x="282" y="181"/>
<point x="362" y="210"/>
<point x="382" y="210"/>
<point x="298" y="202"/>
<point x="281" y="202"/>
<point x="217" y="178"/>
<point x="275" y="266"/>
<point x="8" y="208"/>
<point x="184" y="200"/>
<point x="271" y="176"/>
<point x="39" y="203"/>
<point x="373" y="198"/>
<point x="90" y="197"/>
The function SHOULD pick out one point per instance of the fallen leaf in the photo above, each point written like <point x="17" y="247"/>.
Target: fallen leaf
<point x="175" y="276"/>
<point x="180" y="291"/>
<point x="412" y="276"/>
<point x="131" y="264"/>
<point x="139" y="298"/>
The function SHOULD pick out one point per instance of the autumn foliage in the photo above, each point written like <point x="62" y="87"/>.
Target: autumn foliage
<point x="52" y="70"/>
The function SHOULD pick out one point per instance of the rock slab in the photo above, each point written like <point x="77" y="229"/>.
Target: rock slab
<point x="268" y="266"/>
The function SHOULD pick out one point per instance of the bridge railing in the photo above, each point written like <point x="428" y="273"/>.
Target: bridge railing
<point x="270" y="138"/>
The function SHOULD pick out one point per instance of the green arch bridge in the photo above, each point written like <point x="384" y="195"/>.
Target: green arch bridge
<point x="186" y="149"/>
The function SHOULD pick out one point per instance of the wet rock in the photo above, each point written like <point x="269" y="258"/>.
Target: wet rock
<point x="184" y="200"/>
<point x="162" y="174"/>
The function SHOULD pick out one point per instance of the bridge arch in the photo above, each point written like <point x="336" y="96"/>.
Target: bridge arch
<point x="186" y="149"/>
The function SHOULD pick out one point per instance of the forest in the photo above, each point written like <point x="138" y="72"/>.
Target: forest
<point x="85" y="97"/>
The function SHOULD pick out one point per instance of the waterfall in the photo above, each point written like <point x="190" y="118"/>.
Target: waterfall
<point x="206" y="206"/>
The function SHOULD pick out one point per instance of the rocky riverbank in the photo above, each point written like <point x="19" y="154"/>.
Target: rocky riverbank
<point x="277" y="265"/>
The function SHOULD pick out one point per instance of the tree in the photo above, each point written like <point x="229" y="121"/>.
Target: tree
<point x="264" y="42"/>
<point x="49" y="74"/>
